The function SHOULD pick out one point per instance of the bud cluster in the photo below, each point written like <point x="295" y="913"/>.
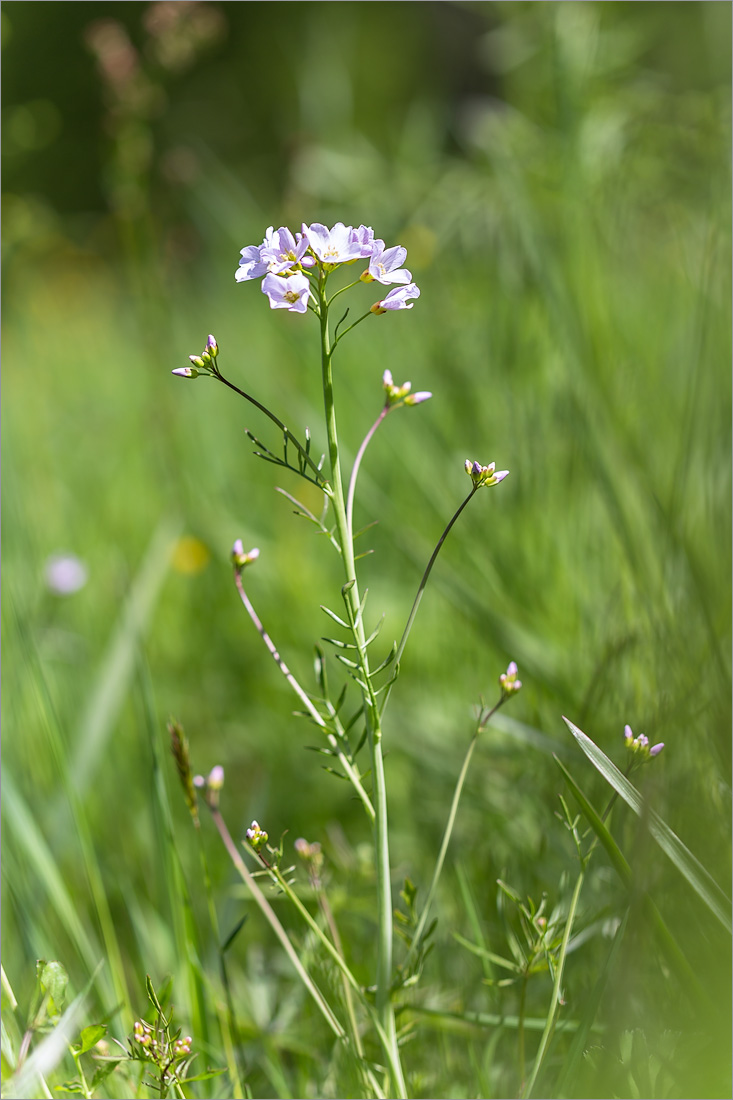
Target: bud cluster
<point x="256" y="836"/>
<point x="483" y="475"/>
<point x="509" y="680"/>
<point x="400" y="395"/>
<point x="200" y="364"/>
<point x="639" y="748"/>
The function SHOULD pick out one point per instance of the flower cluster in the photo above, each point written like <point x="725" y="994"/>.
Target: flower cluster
<point x="283" y="262"/>
<point x="400" y="395"/>
<point x="484" y="475"/>
<point x="256" y="836"/>
<point x="639" y="746"/>
<point x="509" y="680"/>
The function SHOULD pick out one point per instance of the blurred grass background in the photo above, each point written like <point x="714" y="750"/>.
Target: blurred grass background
<point x="560" y="175"/>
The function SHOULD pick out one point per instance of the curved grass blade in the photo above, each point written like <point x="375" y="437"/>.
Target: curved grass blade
<point x="686" y="863"/>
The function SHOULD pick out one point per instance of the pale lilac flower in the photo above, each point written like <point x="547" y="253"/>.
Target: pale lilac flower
<point x="484" y="475"/>
<point x="281" y="251"/>
<point x="212" y="348"/>
<point x="364" y="236"/>
<point x="384" y="265"/>
<point x="65" y="574"/>
<point x="333" y="246"/>
<point x="287" y="292"/>
<point x="186" y="372"/>
<point x="251" y="266"/>
<point x="399" y="298"/>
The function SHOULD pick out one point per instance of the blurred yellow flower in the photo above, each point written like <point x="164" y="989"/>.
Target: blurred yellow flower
<point x="190" y="556"/>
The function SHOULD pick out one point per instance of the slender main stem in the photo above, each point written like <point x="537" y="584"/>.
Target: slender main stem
<point x="385" y="1011"/>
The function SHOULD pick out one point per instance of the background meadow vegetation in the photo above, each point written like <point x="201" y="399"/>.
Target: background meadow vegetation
<point x="559" y="173"/>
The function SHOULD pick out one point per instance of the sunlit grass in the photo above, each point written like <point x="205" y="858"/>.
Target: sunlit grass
<point x="574" y="327"/>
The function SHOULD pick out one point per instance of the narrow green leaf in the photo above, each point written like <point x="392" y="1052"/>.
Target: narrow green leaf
<point x="686" y="863"/>
<point x="614" y="852"/>
<point x="334" y="616"/>
<point x="233" y="934"/>
<point x="339" y="644"/>
<point x="476" y="949"/>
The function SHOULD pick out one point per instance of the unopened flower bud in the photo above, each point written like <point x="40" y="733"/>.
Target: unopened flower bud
<point x="212" y="347"/>
<point x="215" y="780"/>
<point x="186" y="372"/>
<point x="418" y="398"/>
<point x="197" y="360"/>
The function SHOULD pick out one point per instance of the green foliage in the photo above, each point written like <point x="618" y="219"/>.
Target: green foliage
<point x="562" y="184"/>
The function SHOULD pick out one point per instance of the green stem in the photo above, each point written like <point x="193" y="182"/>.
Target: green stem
<point x="355" y="471"/>
<point x="351" y="326"/>
<point x="318" y="477"/>
<point x="550" y="1022"/>
<point x="385" y="1010"/>
<point x="349" y="769"/>
<point x="483" y="721"/>
<point x="426" y="576"/>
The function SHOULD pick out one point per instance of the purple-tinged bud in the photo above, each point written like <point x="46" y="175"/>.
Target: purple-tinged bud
<point x="186" y="372"/>
<point x="656" y="749"/>
<point x="199" y="782"/>
<point x="484" y="475"/>
<point x="215" y="780"/>
<point x="197" y="361"/>
<point x="212" y="347"/>
<point x="418" y="398"/>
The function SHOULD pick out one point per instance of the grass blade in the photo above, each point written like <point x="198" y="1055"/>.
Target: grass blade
<point x="686" y="863"/>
